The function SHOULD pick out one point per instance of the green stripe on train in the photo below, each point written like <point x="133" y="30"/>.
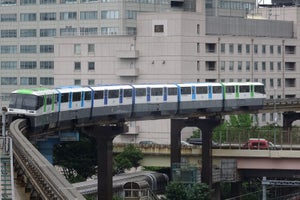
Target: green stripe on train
<point x="30" y="91"/>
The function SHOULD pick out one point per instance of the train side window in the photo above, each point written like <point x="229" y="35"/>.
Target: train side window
<point x="201" y="90"/>
<point x="230" y="89"/>
<point x="156" y="91"/>
<point x="217" y="89"/>
<point x="64" y="97"/>
<point x="186" y="90"/>
<point x="127" y="93"/>
<point x="76" y="96"/>
<point x="87" y="95"/>
<point x="113" y="94"/>
<point x="172" y="91"/>
<point x="140" y="92"/>
<point x="244" y="89"/>
<point x="98" y="94"/>
<point x="40" y="102"/>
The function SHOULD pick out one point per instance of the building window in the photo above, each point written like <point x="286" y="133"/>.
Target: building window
<point x="28" y="65"/>
<point x="47" y="2"/>
<point x="264" y="82"/>
<point x="222" y="48"/>
<point x="47" y="81"/>
<point x="247" y="66"/>
<point x="27" y="17"/>
<point x="68" y="15"/>
<point x="240" y="65"/>
<point x="198" y="47"/>
<point x="27" y="33"/>
<point x="231" y="66"/>
<point x="279" y="66"/>
<point x="158" y="28"/>
<point x="91" y="66"/>
<point x="88" y="31"/>
<point x="9" y="80"/>
<point x="77" y="49"/>
<point x="198" y="29"/>
<point x="263" y="66"/>
<point x="28" y="81"/>
<point x="8" y="17"/>
<point x="271" y="82"/>
<point x="263" y="49"/>
<point x="110" y="14"/>
<point x="222" y="68"/>
<point x="131" y="14"/>
<point x="131" y="30"/>
<point x="247" y="48"/>
<point x="27" y="2"/>
<point x="271" y="66"/>
<point x="8" y="49"/>
<point x="67" y="1"/>
<point x="255" y="49"/>
<point x="91" y="81"/>
<point x="77" y="66"/>
<point x="68" y="31"/>
<point x="9" y="33"/>
<point x="109" y="30"/>
<point x="50" y="32"/>
<point x="240" y="48"/>
<point x="88" y="15"/>
<point x="278" y="83"/>
<point x="278" y="49"/>
<point x="198" y="65"/>
<point x="77" y="82"/>
<point x="271" y="49"/>
<point x="91" y="48"/>
<point x="46" y="64"/>
<point x="47" y="16"/>
<point x="256" y="66"/>
<point x="47" y="49"/>
<point x="231" y="48"/>
<point x="9" y="65"/>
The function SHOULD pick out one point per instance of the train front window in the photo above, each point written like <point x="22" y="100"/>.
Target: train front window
<point x="28" y="102"/>
<point x="259" y="89"/>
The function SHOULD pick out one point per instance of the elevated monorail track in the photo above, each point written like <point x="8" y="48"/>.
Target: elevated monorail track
<point x="42" y="177"/>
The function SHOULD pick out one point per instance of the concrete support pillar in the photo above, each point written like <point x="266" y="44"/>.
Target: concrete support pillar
<point x="288" y="119"/>
<point x="104" y="136"/>
<point x="206" y="126"/>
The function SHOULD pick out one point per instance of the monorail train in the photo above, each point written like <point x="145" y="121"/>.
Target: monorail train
<point x="52" y="107"/>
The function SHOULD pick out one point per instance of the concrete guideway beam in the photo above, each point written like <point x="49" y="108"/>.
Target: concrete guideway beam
<point x="104" y="136"/>
<point x="206" y="126"/>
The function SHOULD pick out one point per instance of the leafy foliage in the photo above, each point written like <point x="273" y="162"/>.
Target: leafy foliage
<point x="179" y="191"/>
<point x="130" y="157"/>
<point x="77" y="159"/>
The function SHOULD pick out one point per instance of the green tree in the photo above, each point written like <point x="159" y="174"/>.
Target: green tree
<point x="130" y="157"/>
<point x="176" y="191"/>
<point x="179" y="191"/>
<point x="77" y="159"/>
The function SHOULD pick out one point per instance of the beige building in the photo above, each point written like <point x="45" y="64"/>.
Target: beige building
<point x="54" y="43"/>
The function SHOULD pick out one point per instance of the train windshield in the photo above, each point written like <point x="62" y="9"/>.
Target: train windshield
<point x="28" y="102"/>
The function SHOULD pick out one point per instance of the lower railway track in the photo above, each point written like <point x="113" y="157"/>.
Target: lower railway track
<point x="40" y="177"/>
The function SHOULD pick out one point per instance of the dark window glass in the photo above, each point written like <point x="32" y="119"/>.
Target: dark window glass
<point x="259" y="89"/>
<point x="140" y="92"/>
<point x="113" y="93"/>
<point x="64" y="97"/>
<point x="76" y="96"/>
<point x="156" y="91"/>
<point x="127" y="92"/>
<point x="230" y="89"/>
<point x="244" y="89"/>
<point x="217" y="89"/>
<point x="186" y="90"/>
<point x="172" y="91"/>
<point x="201" y="90"/>
<point x="87" y="96"/>
<point x="98" y="95"/>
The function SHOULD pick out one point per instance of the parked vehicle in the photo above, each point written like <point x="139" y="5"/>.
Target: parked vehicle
<point x="258" y="143"/>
